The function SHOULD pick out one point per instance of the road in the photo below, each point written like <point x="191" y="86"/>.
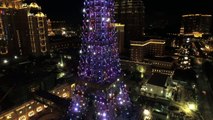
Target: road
<point x="205" y="100"/>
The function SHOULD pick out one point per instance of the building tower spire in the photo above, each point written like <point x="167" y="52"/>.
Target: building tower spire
<point x="99" y="69"/>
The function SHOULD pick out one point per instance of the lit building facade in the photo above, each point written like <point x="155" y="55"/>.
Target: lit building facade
<point x="38" y="33"/>
<point x="163" y="65"/>
<point x="63" y="43"/>
<point x="150" y="48"/>
<point x="14" y="32"/>
<point x="50" y="30"/>
<point x="157" y="86"/>
<point x="24" y="111"/>
<point x="32" y="108"/>
<point x="57" y="26"/>
<point x="131" y="13"/>
<point x="120" y="37"/>
<point x="61" y="28"/>
<point x="184" y="59"/>
<point x="22" y="31"/>
<point x="196" y="24"/>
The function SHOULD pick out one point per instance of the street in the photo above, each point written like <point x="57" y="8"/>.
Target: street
<point x="205" y="100"/>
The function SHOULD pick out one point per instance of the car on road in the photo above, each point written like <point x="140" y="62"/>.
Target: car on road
<point x="204" y="92"/>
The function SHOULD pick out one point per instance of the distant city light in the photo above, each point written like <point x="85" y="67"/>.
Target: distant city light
<point x="16" y="57"/>
<point x="197" y="34"/>
<point x="64" y="33"/>
<point x="61" y="64"/>
<point x="62" y="74"/>
<point x="186" y="58"/>
<point x="69" y="57"/>
<point x="188" y="40"/>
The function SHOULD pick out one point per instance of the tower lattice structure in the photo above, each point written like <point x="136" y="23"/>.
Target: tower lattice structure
<point x="99" y="92"/>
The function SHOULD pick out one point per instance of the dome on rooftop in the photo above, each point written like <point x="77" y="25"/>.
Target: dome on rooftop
<point x="34" y="5"/>
<point x="40" y="14"/>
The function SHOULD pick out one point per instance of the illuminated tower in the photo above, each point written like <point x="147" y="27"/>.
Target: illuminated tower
<point x="99" y="87"/>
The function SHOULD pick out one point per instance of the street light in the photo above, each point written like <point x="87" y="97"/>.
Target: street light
<point x="15" y="57"/>
<point x="5" y="61"/>
<point x="146" y="114"/>
<point x="142" y="70"/>
<point x="192" y="106"/>
<point x="62" y="64"/>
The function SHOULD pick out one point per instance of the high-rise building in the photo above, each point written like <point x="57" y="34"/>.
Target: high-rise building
<point x="100" y="88"/>
<point x="196" y="24"/>
<point x="14" y="30"/>
<point x="61" y="28"/>
<point x="38" y="30"/>
<point x="23" y="29"/>
<point x="120" y="37"/>
<point x="147" y="49"/>
<point x="184" y="60"/>
<point x="50" y="30"/>
<point x="58" y="27"/>
<point x="131" y="13"/>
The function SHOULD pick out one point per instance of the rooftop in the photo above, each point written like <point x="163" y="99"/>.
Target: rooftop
<point x="1" y="75"/>
<point x="158" y="80"/>
<point x="185" y="75"/>
<point x="162" y="58"/>
<point x="144" y="43"/>
<point x="193" y="15"/>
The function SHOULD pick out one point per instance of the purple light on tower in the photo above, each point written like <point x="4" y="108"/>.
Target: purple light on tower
<point x="99" y="61"/>
<point x="99" y="65"/>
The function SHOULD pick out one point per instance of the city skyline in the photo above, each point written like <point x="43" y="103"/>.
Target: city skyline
<point x="155" y="11"/>
<point x="106" y="59"/>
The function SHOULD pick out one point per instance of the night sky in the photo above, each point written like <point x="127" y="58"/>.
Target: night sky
<point x="156" y="10"/>
<point x="68" y="10"/>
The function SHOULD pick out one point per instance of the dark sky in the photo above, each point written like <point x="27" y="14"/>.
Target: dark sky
<point x="170" y="10"/>
<point x="68" y="10"/>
